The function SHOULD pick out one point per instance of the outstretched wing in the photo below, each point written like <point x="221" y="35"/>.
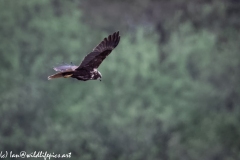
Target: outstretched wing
<point x="100" y="52"/>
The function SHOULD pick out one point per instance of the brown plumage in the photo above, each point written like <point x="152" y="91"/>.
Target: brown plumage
<point x="87" y="70"/>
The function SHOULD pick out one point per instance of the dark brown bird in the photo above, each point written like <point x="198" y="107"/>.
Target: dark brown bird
<point x="87" y="70"/>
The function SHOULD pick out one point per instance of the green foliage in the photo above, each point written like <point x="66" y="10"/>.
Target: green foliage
<point x="171" y="99"/>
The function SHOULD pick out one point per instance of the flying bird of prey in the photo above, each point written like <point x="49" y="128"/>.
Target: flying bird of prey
<point x="87" y="70"/>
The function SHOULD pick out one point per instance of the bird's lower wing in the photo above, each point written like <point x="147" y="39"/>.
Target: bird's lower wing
<point x="61" y="75"/>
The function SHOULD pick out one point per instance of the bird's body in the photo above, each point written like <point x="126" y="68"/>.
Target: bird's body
<point x="87" y="70"/>
<point x="85" y="75"/>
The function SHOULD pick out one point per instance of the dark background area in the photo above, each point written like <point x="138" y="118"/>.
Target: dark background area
<point x="170" y="90"/>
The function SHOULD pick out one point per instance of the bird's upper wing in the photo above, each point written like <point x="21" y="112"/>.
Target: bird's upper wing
<point x="66" y="67"/>
<point x="100" y="52"/>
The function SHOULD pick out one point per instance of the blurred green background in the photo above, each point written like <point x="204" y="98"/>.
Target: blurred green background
<point x="170" y="90"/>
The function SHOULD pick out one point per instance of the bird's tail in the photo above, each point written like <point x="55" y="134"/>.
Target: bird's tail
<point x="61" y="75"/>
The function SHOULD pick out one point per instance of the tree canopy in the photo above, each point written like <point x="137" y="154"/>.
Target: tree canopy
<point x="170" y="90"/>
